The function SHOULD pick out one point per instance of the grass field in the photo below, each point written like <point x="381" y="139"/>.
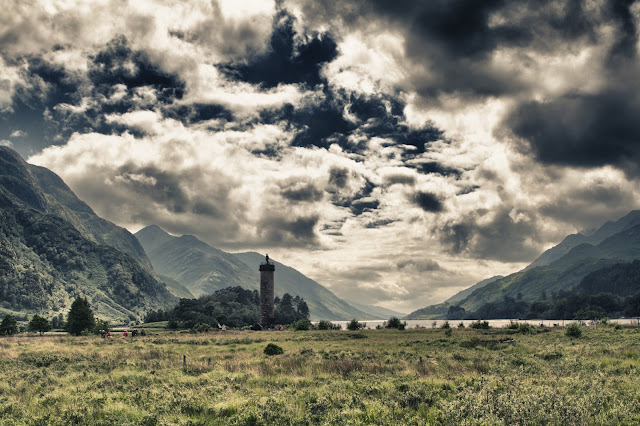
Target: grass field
<point x="417" y="376"/>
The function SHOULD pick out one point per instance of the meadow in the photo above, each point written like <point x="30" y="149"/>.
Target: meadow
<point x="414" y="376"/>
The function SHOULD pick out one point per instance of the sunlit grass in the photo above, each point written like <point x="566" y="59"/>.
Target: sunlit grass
<point x="324" y="377"/>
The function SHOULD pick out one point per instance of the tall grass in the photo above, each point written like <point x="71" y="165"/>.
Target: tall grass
<point x="330" y="377"/>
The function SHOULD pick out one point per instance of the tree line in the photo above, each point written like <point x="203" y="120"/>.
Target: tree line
<point x="80" y="320"/>
<point x="233" y="307"/>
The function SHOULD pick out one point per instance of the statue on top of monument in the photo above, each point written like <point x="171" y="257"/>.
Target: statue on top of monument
<point x="267" y="259"/>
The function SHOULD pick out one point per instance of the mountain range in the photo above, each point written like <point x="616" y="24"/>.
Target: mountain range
<point x="53" y="247"/>
<point x="203" y="269"/>
<point x="561" y="268"/>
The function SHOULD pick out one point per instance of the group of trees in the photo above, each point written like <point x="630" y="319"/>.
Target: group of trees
<point x="79" y="320"/>
<point x="231" y="306"/>
<point x="564" y="305"/>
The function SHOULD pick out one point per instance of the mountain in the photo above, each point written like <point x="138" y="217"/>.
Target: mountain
<point x="566" y="272"/>
<point x="203" y="269"/>
<point x="621" y="279"/>
<point x="466" y="292"/>
<point x="605" y="231"/>
<point x="60" y="200"/>
<point x="200" y="268"/>
<point x="438" y="311"/>
<point x="377" y="311"/>
<point x="45" y="262"/>
<point x="323" y="304"/>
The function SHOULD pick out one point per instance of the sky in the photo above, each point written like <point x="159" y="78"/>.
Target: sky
<point x="396" y="152"/>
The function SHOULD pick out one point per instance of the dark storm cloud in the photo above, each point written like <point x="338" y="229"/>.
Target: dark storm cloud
<point x="298" y="58"/>
<point x="379" y="223"/>
<point x="167" y="189"/>
<point x="427" y="201"/>
<point x="51" y="107"/>
<point x="359" y="203"/>
<point x="117" y="63"/>
<point x="582" y="130"/>
<point x="499" y="238"/>
<point x="288" y="59"/>
<point x="437" y="168"/>
<point x="300" y="191"/>
<point x="197" y="112"/>
<point x="625" y="45"/>
<point x="278" y="230"/>
<point x="399" y="179"/>
<point x="338" y="176"/>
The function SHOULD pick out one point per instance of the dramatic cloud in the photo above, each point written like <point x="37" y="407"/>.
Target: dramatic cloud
<point x="397" y="152"/>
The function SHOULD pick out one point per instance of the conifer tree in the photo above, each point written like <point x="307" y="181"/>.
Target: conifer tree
<point x="80" y="317"/>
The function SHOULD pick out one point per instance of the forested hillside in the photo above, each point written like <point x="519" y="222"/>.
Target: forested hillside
<point x="45" y="262"/>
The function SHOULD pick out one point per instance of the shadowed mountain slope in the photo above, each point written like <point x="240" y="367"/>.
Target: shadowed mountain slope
<point x="45" y="262"/>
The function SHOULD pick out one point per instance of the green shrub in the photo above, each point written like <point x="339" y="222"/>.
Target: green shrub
<point x="618" y="327"/>
<point x="302" y="325"/>
<point x="324" y="325"/>
<point x="446" y="325"/>
<point x="273" y="349"/>
<point x="461" y="325"/>
<point x="8" y="326"/>
<point x="354" y="325"/>
<point x="39" y="324"/>
<point x="101" y="326"/>
<point x="202" y="328"/>
<point x="448" y="332"/>
<point x="396" y="323"/>
<point x="573" y="330"/>
<point x="480" y="325"/>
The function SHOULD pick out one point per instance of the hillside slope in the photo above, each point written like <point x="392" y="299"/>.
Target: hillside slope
<point x="323" y="304"/>
<point x="564" y="273"/>
<point x="203" y="269"/>
<point x="200" y="268"/>
<point x="45" y="261"/>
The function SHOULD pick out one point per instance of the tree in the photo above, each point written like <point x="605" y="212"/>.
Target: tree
<point x="8" y="326"/>
<point x="39" y="324"/>
<point x="80" y="317"/>
<point x="354" y="325"/>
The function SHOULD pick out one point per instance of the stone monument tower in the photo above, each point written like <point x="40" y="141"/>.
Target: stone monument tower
<point x="267" y="286"/>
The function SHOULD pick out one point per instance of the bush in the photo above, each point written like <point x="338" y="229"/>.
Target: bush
<point x="202" y="328"/>
<point x="396" y="323"/>
<point x="273" y="349"/>
<point x="302" y="325"/>
<point x="618" y="327"/>
<point x="39" y="324"/>
<point x="354" y="325"/>
<point x="448" y="332"/>
<point x="573" y="330"/>
<point x="480" y="325"/>
<point x="101" y="326"/>
<point x="446" y="325"/>
<point x="324" y="325"/>
<point x="8" y="326"/>
<point x="461" y="325"/>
